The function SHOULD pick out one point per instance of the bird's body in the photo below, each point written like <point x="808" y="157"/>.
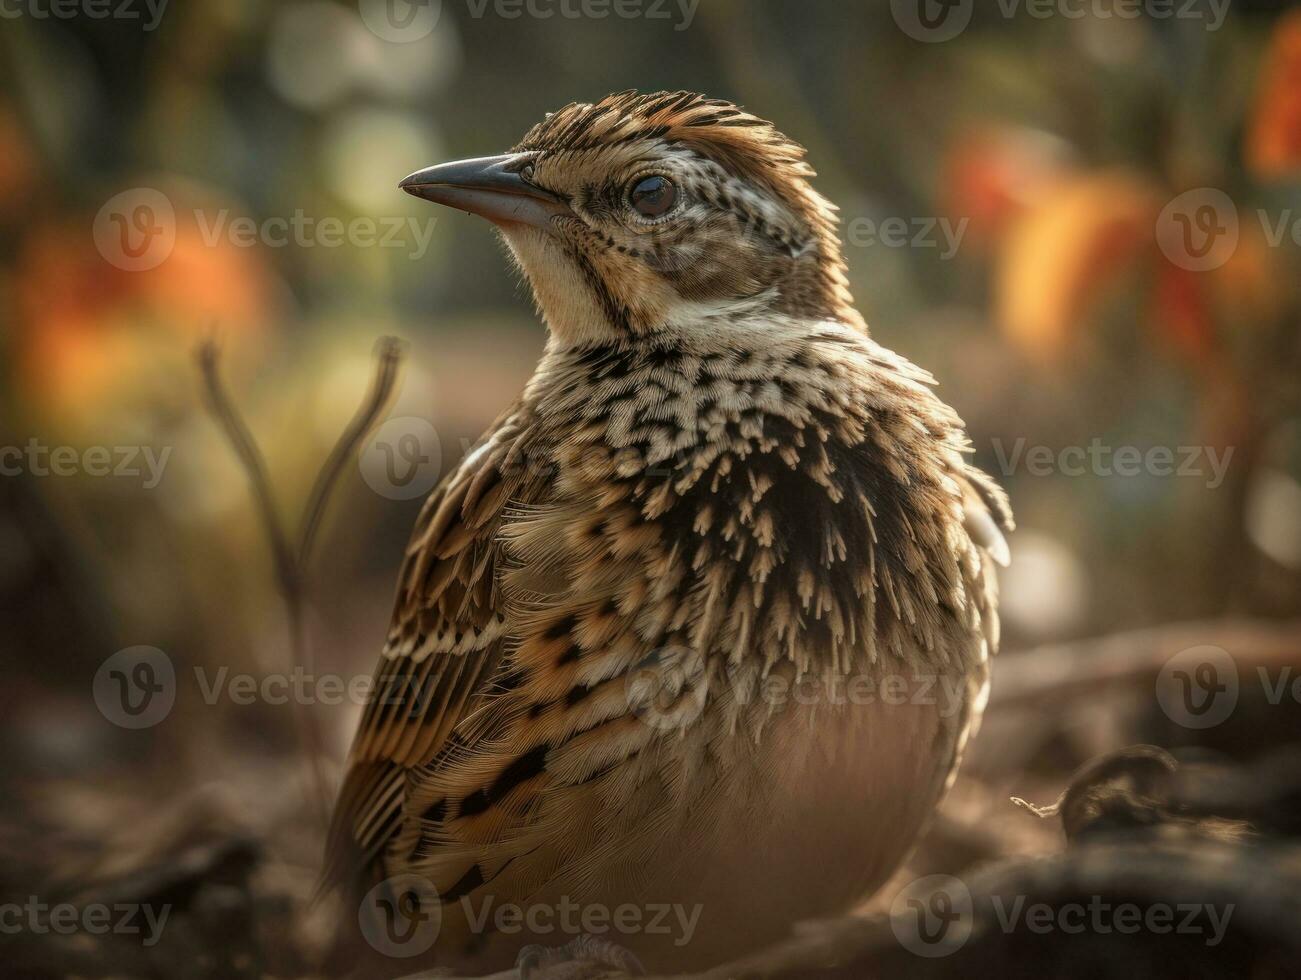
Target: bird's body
<point x="690" y="644"/>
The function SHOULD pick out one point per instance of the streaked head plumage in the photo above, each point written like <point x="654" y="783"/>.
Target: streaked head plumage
<point x="667" y="210"/>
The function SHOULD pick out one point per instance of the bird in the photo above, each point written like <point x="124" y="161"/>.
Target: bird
<point x="697" y="633"/>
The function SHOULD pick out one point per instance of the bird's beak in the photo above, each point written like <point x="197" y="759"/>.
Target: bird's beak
<point x="490" y="187"/>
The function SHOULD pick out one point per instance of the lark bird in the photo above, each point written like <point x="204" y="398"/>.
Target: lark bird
<point x="697" y="633"/>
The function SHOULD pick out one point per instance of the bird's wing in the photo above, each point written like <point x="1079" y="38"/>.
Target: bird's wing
<point x="444" y="644"/>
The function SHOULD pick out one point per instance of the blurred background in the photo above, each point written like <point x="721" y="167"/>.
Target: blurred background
<point x="1087" y="227"/>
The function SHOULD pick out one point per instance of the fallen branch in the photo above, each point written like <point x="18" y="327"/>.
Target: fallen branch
<point x="1063" y="670"/>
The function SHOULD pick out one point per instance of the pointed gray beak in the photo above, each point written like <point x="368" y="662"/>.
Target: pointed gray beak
<point x="490" y="187"/>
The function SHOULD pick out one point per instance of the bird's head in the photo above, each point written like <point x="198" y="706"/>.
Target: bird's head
<point x="656" y="215"/>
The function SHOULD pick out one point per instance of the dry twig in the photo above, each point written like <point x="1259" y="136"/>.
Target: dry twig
<point x="291" y="566"/>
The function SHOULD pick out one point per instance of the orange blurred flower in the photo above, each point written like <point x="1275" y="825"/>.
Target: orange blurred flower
<point x="992" y="174"/>
<point x="1181" y="312"/>
<point x="90" y="335"/>
<point x="1062" y="255"/>
<point x="1274" y="134"/>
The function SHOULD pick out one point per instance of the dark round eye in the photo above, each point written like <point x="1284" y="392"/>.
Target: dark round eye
<point x="652" y="196"/>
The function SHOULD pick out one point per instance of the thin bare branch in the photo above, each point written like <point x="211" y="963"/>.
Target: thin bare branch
<point x="241" y="441"/>
<point x="389" y="352"/>
<point x="290" y="567"/>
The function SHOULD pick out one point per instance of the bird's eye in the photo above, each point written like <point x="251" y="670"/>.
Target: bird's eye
<point x="652" y="196"/>
<point x="526" y="171"/>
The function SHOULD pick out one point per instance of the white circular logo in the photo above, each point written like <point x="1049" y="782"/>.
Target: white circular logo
<point x="932" y="916"/>
<point x="401" y="21"/>
<point x="403" y="459"/>
<point x="401" y="916"/>
<point x="667" y="690"/>
<point x="136" y="687"/>
<point x="1198" y="687"/>
<point x="1198" y="230"/>
<point x="136" y="230"/>
<point x="932" y="21"/>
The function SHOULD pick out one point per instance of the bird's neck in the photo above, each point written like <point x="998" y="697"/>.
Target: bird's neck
<point x="744" y="340"/>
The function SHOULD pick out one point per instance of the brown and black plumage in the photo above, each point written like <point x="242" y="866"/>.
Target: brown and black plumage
<point x="715" y="482"/>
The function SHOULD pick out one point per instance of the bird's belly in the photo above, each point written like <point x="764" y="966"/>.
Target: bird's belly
<point x="821" y="816"/>
<point x="801" y="824"/>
